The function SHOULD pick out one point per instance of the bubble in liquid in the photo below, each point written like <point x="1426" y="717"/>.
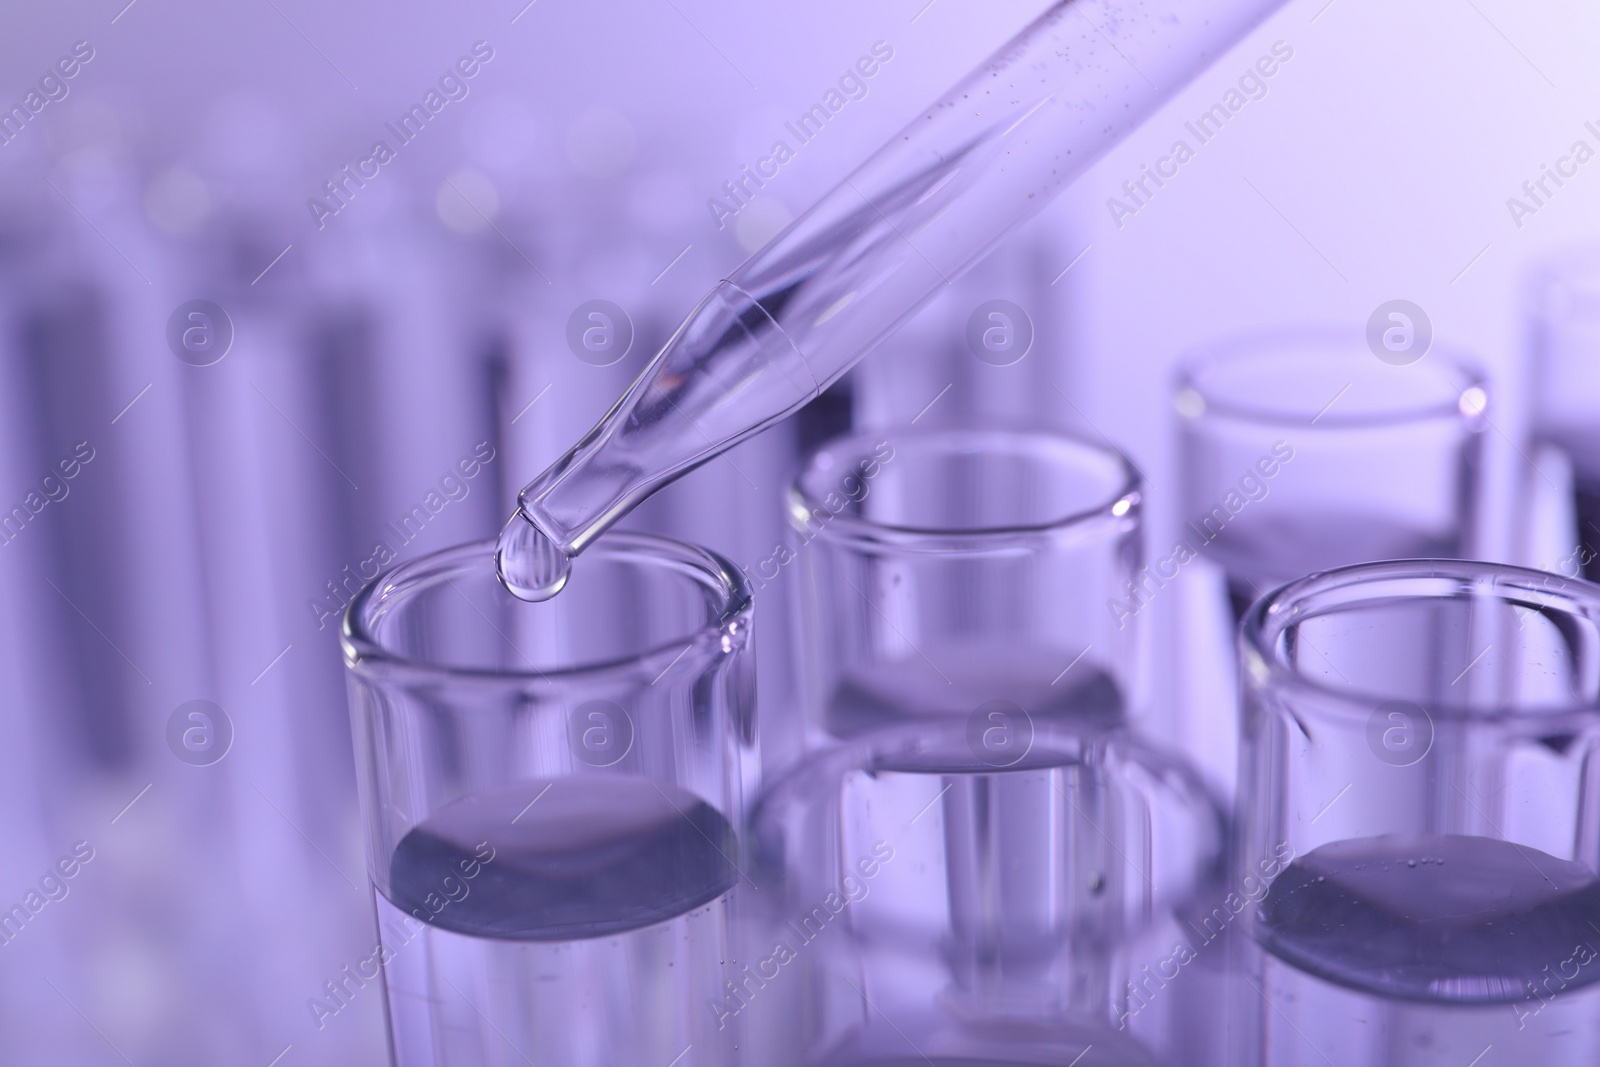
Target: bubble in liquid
<point x="528" y="563"/>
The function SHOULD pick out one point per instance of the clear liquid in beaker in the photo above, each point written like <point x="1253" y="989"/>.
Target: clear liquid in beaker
<point x="996" y="874"/>
<point x="592" y="931"/>
<point x="1425" y="951"/>
<point x="530" y="565"/>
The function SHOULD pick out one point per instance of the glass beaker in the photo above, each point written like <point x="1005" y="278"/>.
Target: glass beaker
<point x="1566" y="402"/>
<point x="1303" y="451"/>
<point x="551" y="794"/>
<point x="946" y="568"/>
<point x="1418" y="778"/>
<point x="992" y="891"/>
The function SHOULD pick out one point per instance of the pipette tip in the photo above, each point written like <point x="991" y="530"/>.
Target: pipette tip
<point x="529" y="564"/>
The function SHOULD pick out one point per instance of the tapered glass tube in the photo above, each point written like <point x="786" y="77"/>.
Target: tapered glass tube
<point x="933" y="200"/>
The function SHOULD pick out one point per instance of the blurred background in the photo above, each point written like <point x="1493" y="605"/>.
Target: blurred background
<point x="248" y="357"/>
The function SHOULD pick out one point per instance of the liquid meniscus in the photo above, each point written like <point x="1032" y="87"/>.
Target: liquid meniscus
<point x="582" y="921"/>
<point x="566" y="859"/>
<point x="1442" y="919"/>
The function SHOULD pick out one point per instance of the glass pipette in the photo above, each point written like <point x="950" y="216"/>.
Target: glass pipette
<point x="922" y="209"/>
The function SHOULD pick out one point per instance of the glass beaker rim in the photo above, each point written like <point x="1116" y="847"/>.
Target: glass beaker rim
<point x="1328" y="592"/>
<point x="733" y="603"/>
<point x="1447" y="366"/>
<point x="842" y="525"/>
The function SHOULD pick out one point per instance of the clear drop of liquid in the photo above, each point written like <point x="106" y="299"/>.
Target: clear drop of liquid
<point x="529" y="564"/>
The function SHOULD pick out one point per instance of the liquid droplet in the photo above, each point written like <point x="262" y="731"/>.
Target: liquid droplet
<point x="529" y="564"/>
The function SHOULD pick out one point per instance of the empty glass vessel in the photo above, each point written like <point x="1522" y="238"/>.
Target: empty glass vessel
<point x="989" y="890"/>
<point x="551" y="794"/>
<point x="1304" y="451"/>
<point x="944" y="569"/>
<point x="1420" y="793"/>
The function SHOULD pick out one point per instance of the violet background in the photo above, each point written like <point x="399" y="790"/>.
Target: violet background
<point x="382" y="347"/>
